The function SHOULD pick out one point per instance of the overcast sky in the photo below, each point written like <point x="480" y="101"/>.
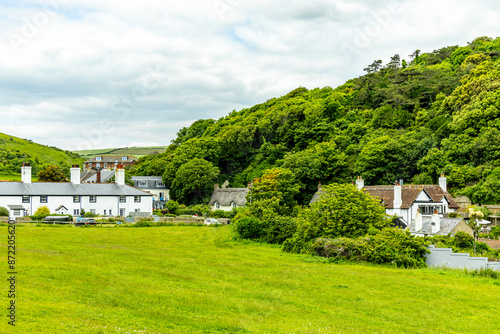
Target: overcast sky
<point x="81" y="74"/>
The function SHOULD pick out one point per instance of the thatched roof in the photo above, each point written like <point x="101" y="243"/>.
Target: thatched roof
<point x="225" y="196"/>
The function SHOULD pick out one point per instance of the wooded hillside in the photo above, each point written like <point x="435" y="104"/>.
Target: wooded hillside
<point x="437" y="112"/>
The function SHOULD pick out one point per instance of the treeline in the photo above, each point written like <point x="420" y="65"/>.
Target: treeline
<point x="412" y="119"/>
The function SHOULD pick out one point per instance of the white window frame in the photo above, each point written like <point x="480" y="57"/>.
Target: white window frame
<point x="137" y="199"/>
<point x="26" y="199"/>
<point x="43" y="199"/>
<point x="97" y="158"/>
<point x="76" y="199"/>
<point x="92" y="199"/>
<point x="123" y="199"/>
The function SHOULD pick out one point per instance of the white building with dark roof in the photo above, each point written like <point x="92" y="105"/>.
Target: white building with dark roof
<point x="108" y="199"/>
<point x="155" y="186"/>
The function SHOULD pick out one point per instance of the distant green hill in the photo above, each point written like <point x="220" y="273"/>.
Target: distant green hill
<point x="14" y="151"/>
<point x="135" y="151"/>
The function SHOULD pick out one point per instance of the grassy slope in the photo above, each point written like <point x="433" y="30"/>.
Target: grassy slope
<point x="194" y="280"/>
<point x="135" y="151"/>
<point x="45" y="154"/>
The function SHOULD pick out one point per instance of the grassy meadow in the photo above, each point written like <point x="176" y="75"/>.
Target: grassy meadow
<point x="189" y="279"/>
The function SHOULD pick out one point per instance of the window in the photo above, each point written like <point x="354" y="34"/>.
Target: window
<point x="104" y="211"/>
<point x="124" y="158"/>
<point x="217" y="205"/>
<point x="122" y="212"/>
<point x="93" y="199"/>
<point x="76" y="212"/>
<point x="76" y="199"/>
<point x="92" y="211"/>
<point x="233" y="204"/>
<point x="26" y="199"/>
<point x="123" y="199"/>
<point x="97" y="165"/>
<point x="159" y="184"/>
<point x="110" y="212"/>
<point x="105" y="165"/>
<point x="143" y="183"/>
<point x="43" y="199"/>
<point x="429" y="209"/>
<point x="137" y="199"/>
<point x="17" y="212"/>
<point x="98" y="158"/>
<point x="137" y="210"/>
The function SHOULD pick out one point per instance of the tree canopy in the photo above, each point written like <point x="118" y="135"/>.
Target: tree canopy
<point x="436" y="112"/>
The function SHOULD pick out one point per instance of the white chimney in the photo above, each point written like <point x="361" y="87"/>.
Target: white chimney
<point x="75" y="174"/>
<point x="120" y="175"/>
<point x="397" y="197"/>
<point x="418" y="221"/>
<point x="360" y="183"/>
<point x="26" y="173"/>
<point x="436" y="222"/>
<point x="442" y="182"/>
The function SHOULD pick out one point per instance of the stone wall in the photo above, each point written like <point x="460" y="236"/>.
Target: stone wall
<point x="444" y="257"/>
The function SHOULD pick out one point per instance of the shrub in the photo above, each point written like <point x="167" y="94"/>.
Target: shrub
<point x="341" y="211"/>
<point x="463" y="240"/>
<point x="454" y="215"/>
<point x="250" y="228"/>
<point x="389" y="246"/>
<point x="172" y="207"/>
<point x="279" y="229"/>
<point x="42" y="211"/>
<point x="4" y="211"/>
<point x="89" y="215"/>
<point x="187" y="212"/>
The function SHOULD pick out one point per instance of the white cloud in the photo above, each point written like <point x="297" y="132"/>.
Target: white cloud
<point x="113" y="73"/>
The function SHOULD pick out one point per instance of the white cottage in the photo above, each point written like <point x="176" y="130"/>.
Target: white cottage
<point x="109" y="199"/>
<point x="404" y="200"/>
<point x="228" y="198"/>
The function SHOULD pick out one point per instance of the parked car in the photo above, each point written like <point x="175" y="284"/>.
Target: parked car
<point x="85" y="221"/>
<point x="210" y="221"/>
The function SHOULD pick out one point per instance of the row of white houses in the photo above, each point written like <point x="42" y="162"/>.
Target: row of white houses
<point x="109" y="199"/>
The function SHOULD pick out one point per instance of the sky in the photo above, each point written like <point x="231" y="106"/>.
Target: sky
<point x="84" y="74"/>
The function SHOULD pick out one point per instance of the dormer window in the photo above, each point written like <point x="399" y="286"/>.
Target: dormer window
<point x="217" y="205"/>
<point x="98" y="158"/>
<point x="159" y="184"/>
<point x="124" y="158"/>
<point x="233" y="204"/>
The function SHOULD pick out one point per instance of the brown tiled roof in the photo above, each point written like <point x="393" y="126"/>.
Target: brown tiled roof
<point x="409" y="194"/>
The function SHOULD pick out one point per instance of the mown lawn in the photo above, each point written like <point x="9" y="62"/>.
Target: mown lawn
<point x="196" y="280"/>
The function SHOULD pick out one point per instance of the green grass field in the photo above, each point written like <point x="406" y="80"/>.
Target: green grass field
<point x="180" y="279"/>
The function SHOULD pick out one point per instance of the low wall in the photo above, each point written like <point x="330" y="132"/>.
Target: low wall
<point x="191" y="220"/>
<point x="444" y="257"/>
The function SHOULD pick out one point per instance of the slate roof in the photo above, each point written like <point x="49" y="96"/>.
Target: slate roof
<point x="446" y="224"/>
<point x="225" y="196"/>
<point x="68" y="189"/>
<point x="409" y="194"/>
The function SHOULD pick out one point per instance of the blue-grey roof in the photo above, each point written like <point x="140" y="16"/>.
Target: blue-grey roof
<point x="446" y="224"/>
<point x="68" y="189"/>
<point x="139" y="178"/>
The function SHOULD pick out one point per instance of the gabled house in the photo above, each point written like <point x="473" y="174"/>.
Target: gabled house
<point x="228" y="198"/>
<point x="104" y="162"/>
<point x="155" y="186"/>
<point x="109" y="199"/>
<point x="404" y="201"/>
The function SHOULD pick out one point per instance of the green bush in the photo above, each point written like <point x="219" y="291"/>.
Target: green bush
<point x="463" y="240"/>
<point x="89" y="215"/>
<point x="172" y="207"/>
<point x="4" y="212"/>
<point x="279" y="229"/>
<point x="250" y="228"/>
<point x="187" y="212"/>
<point x="390" y="246"/>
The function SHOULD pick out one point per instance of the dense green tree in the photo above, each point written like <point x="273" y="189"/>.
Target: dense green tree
<point x="273" y="194"/>
<point x="341" y="211"/>
<point x="194" y="182"/>
<point x="52" y="174"/>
